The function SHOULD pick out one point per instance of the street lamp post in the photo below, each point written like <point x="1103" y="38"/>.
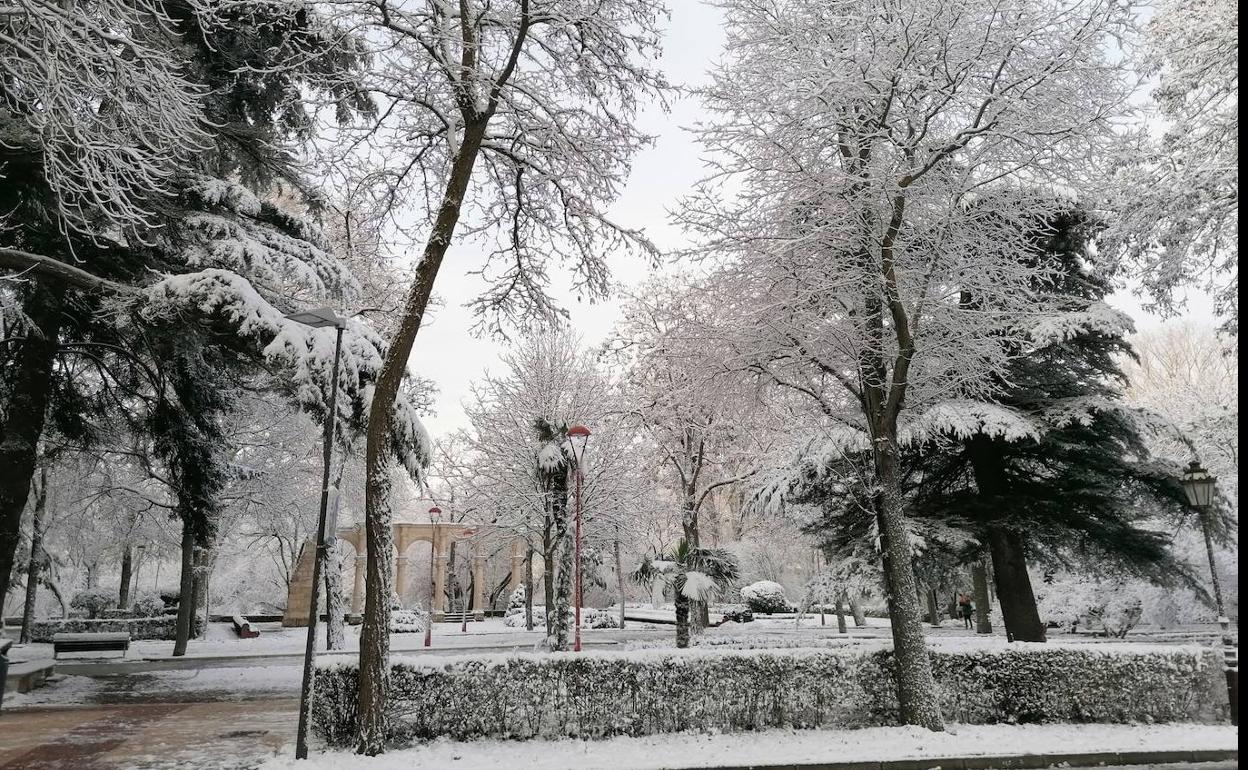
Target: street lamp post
<point x="579" y="436"/>
<point x="434" y="513"/>
<point x="317" y="319"/>
<point x="1199" y="485"/>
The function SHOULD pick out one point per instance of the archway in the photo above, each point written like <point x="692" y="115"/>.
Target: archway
<point x="440" y="535"/>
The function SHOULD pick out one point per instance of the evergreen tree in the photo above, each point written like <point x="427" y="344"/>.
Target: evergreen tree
<point x="1053" y="465"/>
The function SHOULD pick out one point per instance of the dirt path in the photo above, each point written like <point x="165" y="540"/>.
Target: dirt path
<point x="146" y="736"/>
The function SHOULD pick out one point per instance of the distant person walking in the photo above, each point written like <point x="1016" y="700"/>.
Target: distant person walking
<point x="967" y="609"/>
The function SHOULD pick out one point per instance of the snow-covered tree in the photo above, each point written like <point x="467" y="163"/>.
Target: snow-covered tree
<point x="519" y="118"/>
<point x="695" y="574"/>
<point x="1177" y="204"/>
<point x="873" y="163"/>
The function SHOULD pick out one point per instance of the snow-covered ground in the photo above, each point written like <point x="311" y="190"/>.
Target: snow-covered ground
<point x="780" y="746"/>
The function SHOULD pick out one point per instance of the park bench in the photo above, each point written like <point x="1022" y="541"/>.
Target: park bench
<point x="243" y="628"/>
<point x="458" y="617"/>
<point x="24" y="677"/>
<point x="100" y="642"/>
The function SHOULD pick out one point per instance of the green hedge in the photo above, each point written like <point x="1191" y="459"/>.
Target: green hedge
<point x="598" y="694"/>
<point x="163" y="627"/>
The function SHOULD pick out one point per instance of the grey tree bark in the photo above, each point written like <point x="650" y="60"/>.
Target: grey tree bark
<point x="983" y="607"/>
<point x="36" y="557"/>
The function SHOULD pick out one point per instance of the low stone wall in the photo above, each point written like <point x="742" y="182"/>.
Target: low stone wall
<point x="599" y="694"/>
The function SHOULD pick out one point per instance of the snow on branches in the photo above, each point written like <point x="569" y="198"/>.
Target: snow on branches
<point x="92" y="89"/>
<point x="304" y="355"/>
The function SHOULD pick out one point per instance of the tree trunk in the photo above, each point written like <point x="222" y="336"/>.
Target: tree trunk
<point x="186" y="593"/>
<point x="979" y="578"/>
<point x="619" y="577"/>
<point x="335" y="609"/>
<point x="127" y="569"/>
<point x="375" y="628"/>
<point x="203" y="576"/>
<point x="549" y="569"/>
<point x="841" y="628"/>
<point x="528" y="588"/>
<point x="1018" y="601"/>
<point x="36" y="553"/>
<point x="856" y="610"/>
<point x="375" y="634"/>
<point x="916" y="689"/>
<point x="933" y="608"/>
<point x="560" y="626"/>
<point x="27" y="387"/>
<point x="682" y="620"/>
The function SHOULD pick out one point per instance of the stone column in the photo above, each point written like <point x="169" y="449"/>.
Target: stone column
<point x="517" y="567"/>
<point x="357" y="589"/>
<point x="401" y="581"/>
<point x="478" y="582"/>
<point x="437" y="602"/>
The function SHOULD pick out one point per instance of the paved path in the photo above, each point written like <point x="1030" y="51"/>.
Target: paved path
<point x="147" y="736"/>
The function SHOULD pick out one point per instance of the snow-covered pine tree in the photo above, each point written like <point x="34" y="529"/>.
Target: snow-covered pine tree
<point x="1065" y="468"/>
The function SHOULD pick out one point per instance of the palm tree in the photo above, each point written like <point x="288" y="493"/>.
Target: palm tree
<point x="695" y="575"/>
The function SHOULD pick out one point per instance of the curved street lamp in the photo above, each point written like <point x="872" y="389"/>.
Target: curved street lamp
<point x="317" y="319"/>
<point x="578" y="436"/>
<point x="1199" y="485"/>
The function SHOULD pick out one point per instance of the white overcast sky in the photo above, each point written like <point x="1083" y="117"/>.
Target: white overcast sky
<point x="449" y="354"/>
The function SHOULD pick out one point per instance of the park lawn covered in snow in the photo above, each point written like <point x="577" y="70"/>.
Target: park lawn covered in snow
<point x="692" y="750"/>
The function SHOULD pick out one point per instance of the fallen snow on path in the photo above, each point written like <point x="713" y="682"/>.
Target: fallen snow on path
<point x="692" y="750"/>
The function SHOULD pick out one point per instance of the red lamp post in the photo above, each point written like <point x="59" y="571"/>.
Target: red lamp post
<point x="434" y="512"/>
<point x="578" y="435"/>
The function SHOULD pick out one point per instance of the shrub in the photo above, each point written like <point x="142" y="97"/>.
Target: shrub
<point x="408" y="621"/>
<point x="517" y="598"/>
<point x="766" y="596"/>
<point x="148" y="605"/>
<point x="598" y="694"/>
<point x="738" y="616"/>
<point x="93" y="601"/>
<point x="591" y="617"/>
<point x="163" y="627"/>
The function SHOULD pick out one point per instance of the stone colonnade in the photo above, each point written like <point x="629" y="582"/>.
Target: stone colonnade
<point x="439" y="535"/>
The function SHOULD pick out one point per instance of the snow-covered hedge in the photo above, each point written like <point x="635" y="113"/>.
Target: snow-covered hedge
<point x="591" y="617"/>
<point x="766" y="596"/>
<point x="94" y="601"/>
<point x="598" y="694"/>
<point x="413" y="621"/>
<point x="163" y="627"/>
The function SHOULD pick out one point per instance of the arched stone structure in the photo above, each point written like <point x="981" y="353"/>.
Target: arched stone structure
<point x="439" y="535"/>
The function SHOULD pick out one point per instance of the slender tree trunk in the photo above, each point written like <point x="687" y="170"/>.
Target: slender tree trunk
<point x="203" y="575"/>
<point x="983" y="607"/>
<point x="186" y="592"/>
<point x="127" y="568"/>
<point x="1018" y="601"/>
<point x="375" y="634"/>
<point x="619" y="577"/>
<point x="549" y="569"/>
<point x="841" y="628"/>
<point x="27" y="386"/>
<point x="528" y="588"/>
<point x="36" y="556"/>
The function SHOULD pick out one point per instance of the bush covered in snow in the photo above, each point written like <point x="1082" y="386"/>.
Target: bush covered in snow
<point x="598" y="694"/>
<point x="412" y="621"/>
<point x="94" y="601"/>
<point x="517" y="598"/>
<point x="163" y="627"/>
<point x="148" y="605"/>
<point x="766" y="596"/>
<point x="591" y="617"/>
